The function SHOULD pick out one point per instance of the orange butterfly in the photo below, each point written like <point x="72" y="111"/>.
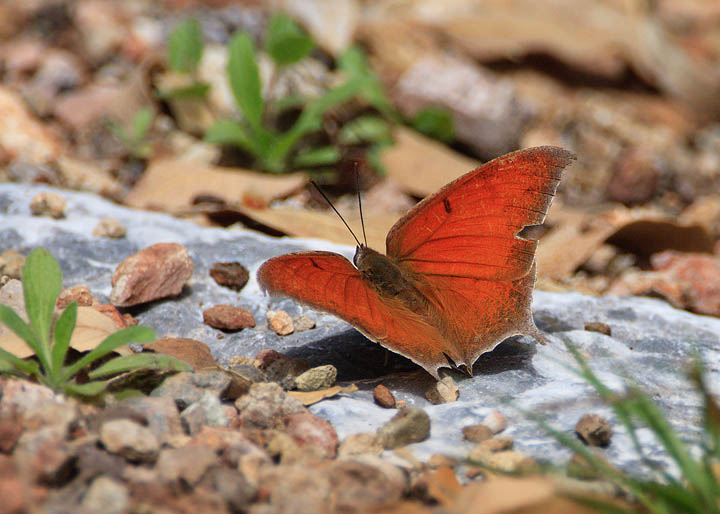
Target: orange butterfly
<point x="456" y="281"/>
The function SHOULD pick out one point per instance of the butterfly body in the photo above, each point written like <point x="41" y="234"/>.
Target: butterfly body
<point x="456" y="280"/>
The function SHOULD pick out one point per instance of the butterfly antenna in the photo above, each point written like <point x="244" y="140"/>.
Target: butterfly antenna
<point x="336" y="211"/>
<point x="357" y="188"/>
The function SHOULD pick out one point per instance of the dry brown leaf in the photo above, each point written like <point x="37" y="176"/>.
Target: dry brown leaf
<point x="171" y="185"/>
<point x="310" y="397"/>
<point x="195" y="353"/>
<point x="90" y="330"/>
<point x="576" y="235"/>
<point x="323" y="224"/>
<point x="421" y="165"/>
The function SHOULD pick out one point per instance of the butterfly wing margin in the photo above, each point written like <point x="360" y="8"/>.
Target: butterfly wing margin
<point x="468" y="228"/>
<point x="329" y="282"/>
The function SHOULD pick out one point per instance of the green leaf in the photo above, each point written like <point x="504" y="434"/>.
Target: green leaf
<point x="368" y="128"/>
<point x="354" y="63"/>
<point x="89" y="389"/>
<point x="28" y="367"/>
<point x="227" y="132"/>
<point x="136" y="334"/>
<point x="321" y="156"/>
<point x="244" y="79"/>
<point x="42" y="282"/>
<point x="185" y="46"/>
<point x="141" y="123"/>
<point x="195" y="90"/>
<point x="64" y="327"/>
<point x="21" y="329"/>
<point x="139" y="361"/>
<point x="435" y="122"/>
<point x="286" y="43"/>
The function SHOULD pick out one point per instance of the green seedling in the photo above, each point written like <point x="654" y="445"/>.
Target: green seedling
<point x="184" y="50"/>
<point x="50" y="340"/>
<point x="134" y="139"/>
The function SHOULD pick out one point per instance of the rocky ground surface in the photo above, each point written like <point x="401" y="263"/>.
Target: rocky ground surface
<point x="235" y="433"/>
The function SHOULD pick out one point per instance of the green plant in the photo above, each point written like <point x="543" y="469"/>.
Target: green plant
<point x="696" y="490"/>
<point x="273" y="149"/>
<point x="435" y="122"/>
<point x="50" y="342"/>
<point x="135" y="138"/>
<point x="184" y="50"/>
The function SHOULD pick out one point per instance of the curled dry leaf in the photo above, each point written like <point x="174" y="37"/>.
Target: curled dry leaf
<point x="310" y="397"/>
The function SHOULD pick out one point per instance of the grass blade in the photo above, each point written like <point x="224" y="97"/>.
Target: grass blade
<point x="89" y="389"/>
<point x="244" y="77"/>
<point x="139" y="361"/>
<point x="42" y="282"/>
<point x="28" y="367"/>
<point x="64" y="327"/>
<point x="21" y="329"/>
<point x="137" y="334"/>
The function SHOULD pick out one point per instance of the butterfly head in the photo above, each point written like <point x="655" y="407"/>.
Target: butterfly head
<point x="359" y="253"/>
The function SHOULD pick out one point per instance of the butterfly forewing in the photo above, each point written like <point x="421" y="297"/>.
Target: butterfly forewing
<point x="469" y="227"/>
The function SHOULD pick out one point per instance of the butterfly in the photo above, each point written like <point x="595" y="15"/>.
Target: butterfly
<point x="456" y="279"/>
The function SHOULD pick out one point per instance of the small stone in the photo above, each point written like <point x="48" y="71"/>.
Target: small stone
<point x="234" y="488"/>
<point x="110" y="228"/>
<point x="477" y="433"/>
<point x="362" y="443"/>
<point x="187" y="387"/>
<point x="160" y="415"/>
<point x="494" y="444"/>
<point x="266" y="357"/>
<point x="280" y="322"/>
<point x="635" y="178"/>
<point x="11" y="264"/>
<point x="303" y="323"/>
<point x="10" y="432"/>
<point x="400" y="404"/>
<point x="187" y="464"/>
<point x="48" y="204"/>
<point x="438" y="460"/>
<point x="206" y="411"/>
<point x="594" y="430"/>
<point x="129" y="439"/>
<point x="309" y="430"/>
<point x="265" y="406"/>
<point x="79" y="294"/>
<point x="227" y="317"/>
<point x="511" y="462"/>
<point x="281" y="368"/>
<point x="155" y="272"/>
<point x="195" y="353"/>
<point x="495" y="421"/>
<point x="383" y="396"/>
<point x="106" y="496"/>
<point x="317" y="378"/>
<point x="597" y="326"/>
<point x="409" y="425"/>
<point x="230" y="274"/>
<point x="43" y="455"/>
<point x="443" y="391"/>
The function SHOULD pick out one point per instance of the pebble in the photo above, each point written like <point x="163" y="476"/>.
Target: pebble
<point x="48" y="204"/>
<point x="443" y="391"/>
<point x="495" y="444"/>
<point x="317" y="378"/>
<point x="495" y="421"/>
<point x="185" y="465"/>
<point x="477" y="433"/>
<point x="187" y="387"/>
<point x="280" y="322"/>
<point x="265" y="406"/>
<point x="129" y="439"/>
<point x="594" y="430"/>
<point x="409" y="425"/>
<point x="234" y="488"/>
<point x="597" y="326"/>
<point x="43" y="455"/>
<point x="11" y="263"/>
<point x="79" y="294"/>
<point x="208" y="410"/>
<point x="307" y="429"/>
<point x="303" y="323"/>
<point x="362" y="443"/>
<point x="383" y="396"/>
<point x="510" y="461"/>
<point x="579" y="467"/>
<point x="230" y="274"/>
<point x="158" y="271"/>
<point x="106" y="496"/>
<point x="227" y="317"/>
<point x="160" y="414"/>
<point x="109" y="228"/>
<point x="195" y="353"/>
